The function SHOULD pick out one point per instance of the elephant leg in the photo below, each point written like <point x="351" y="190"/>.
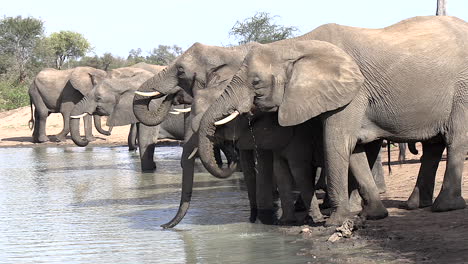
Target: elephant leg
<point x="376" y="165"/>
<point x="264" y="187"/>
<point x="147" y="138"/>
<point x="284" y="180"/>
<point x="423" y="191"/>
<point x="88" y="126"/>
<point x="247" y="163"/>
<point x="66" y="124"/>
<point x="132" y="137"/>
<point x="359" y="166"/>
<point x="355" y="200"/>
<point x="39" y="132"/>
<point x="450" y="196"/>
<point x="303" y="174"/>
<point x="402" y="153"/>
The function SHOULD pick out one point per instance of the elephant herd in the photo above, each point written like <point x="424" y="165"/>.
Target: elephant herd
<point x="295" y="113"/>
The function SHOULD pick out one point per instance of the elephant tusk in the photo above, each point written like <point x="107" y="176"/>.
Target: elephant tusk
<point x="185" y="110"/>
<point x="148" y="94"/>
<point x="79" y="116"/>
<point x="195" y="150"/>
<point x="227" y="119"/>
<point x="174" y="113"/>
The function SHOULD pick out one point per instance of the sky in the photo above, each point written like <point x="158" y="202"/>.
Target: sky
<point x="119" y="26"/>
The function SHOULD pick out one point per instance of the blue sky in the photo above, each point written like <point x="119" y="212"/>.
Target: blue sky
<point x="119" y="26"/>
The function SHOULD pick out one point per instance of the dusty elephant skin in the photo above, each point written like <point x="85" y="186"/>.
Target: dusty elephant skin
<point x="54" y="91"/>
<point x="112" y="96"/>
<point x="351" y="80"/>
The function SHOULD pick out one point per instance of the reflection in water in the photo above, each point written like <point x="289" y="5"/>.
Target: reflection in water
<point x="92" y="205"/>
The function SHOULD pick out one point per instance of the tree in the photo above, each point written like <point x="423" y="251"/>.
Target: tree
<point x="260" y="28"/>
<point x="164" y="54"/>
<point x="18" y="38"/>
<point x="441" y="8"/>
<point x="134" y="56"/>
<point x="68" y="44"/>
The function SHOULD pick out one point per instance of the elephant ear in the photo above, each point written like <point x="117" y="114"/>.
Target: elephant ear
<point x="321" y="78"/>
<point x="84" y="79"/>
<point x="123" y="111"/>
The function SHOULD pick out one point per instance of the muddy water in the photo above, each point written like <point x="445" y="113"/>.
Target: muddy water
<point x="92" y="205"/>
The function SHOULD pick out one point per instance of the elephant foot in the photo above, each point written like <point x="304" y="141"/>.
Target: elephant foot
<point x="253" y="215"/>
<point x="447" y="202"/>
<point x="40" y="139"/>
<point x="148" y="166"/>
<point x="287" y="221"/>
<point x="267" y="216"/>
<point x="338" y="217"/>
<point x="355" y="202"/>
<point x="415" y="201"/>
<point x="374" y="211"/>
<point x="132" y="148"/>
<point x="61" y="138"/>
<point x="299" y="205"/>
<point x="326" y="202"/>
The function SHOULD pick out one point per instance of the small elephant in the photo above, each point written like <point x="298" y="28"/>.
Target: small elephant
<point x="58" y="91"/>
<point x="363" y="84"/>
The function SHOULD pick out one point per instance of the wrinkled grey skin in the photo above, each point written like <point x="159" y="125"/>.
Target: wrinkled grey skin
<point x="58" y="91"/>
<point x="112" y="96"/>
<point x="363" y="84"/>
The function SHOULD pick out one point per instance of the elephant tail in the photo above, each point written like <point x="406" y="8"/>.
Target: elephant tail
<point x="31" y="121"/>
<point x="388" y="156"/>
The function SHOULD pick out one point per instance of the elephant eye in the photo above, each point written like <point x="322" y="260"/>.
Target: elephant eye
<point x="180" y="70"/>
<point x="255" y="81"/>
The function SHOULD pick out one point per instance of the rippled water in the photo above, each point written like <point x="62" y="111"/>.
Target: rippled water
<point x="93" y="205"/>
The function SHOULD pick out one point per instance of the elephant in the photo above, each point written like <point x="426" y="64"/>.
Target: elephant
<point x="363" y="85"/>
<point x="112" y="96"/>
<point x="58" y="91"/>
<point x="192" y="71"/>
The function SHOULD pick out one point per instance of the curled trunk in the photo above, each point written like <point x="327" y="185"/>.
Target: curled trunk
<point x="164" y="82"/>
<point x="237" y="97"/>
<point x="98" y="126"/>
<point x="86" y="105"/>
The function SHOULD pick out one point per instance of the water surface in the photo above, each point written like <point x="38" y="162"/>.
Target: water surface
<point x="93" y="205"/>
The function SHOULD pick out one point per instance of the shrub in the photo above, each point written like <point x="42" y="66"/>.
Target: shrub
<point x="12" y="97"/>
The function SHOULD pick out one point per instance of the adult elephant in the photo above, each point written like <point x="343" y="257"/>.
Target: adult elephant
<point x="112" y="96"/>
<point x="192" y="71"/>
<point x="58" y="91"/>
<point x="363" y="84"/>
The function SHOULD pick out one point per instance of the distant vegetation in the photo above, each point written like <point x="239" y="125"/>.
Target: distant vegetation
<point x="25" y="50"/>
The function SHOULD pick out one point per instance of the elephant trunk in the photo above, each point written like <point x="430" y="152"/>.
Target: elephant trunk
<point x="165" y="82"/>
<point x="236" y="97"/>
<point x="85" y="106"/>
<point x="98" y="126"/>
<point x="188" y="165"/>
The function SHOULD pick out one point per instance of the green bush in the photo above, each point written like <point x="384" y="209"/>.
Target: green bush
<point x="12" y="97"/>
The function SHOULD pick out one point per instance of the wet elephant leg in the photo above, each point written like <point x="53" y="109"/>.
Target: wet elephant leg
<point x="423" y="191"/>
<point x="284" y="180"/>
<point x="39" y="132"/>
<point x="264" y="187"/>
<point x="147" y="138"/>
<point x="304" y="175"/>
<point x="132" y="137"/>
<point x="378" y="173"/>
<point x="247" y="163"/>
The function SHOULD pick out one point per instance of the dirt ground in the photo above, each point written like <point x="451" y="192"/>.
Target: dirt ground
<point x="14" y="131"/>
<point x="405" y="236"/>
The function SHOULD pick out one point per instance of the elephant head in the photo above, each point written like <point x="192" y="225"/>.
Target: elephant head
<point x="111" y="96"/>
<point x="299" y="81"/>
<point x="189" y="72"/>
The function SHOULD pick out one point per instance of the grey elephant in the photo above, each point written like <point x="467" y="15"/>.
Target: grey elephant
<point x="363" y="84"/>
<point x="191" y="71"/>
<point x="112" y="96"/>
<point x="58" y="91"/>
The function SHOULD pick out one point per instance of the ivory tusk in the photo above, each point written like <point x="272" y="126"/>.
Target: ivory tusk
<point x="79" y="116"/>
<point x="227" y="119"/>
<point x="148" y="94"/>
<point x="174" y="113"/>
<point x="185" y="110"/>
<point x="195" y="150"/>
